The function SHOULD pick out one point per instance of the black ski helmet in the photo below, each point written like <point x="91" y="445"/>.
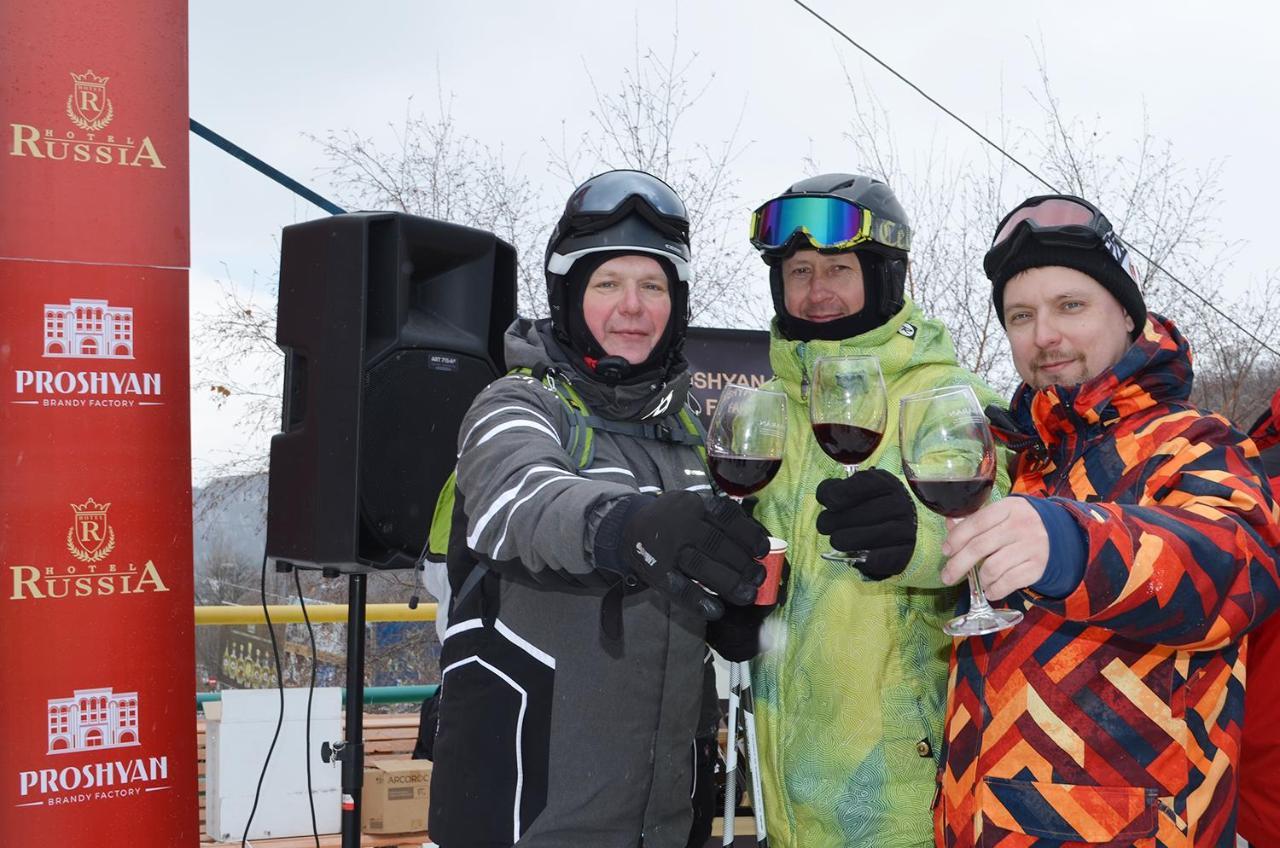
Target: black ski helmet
<point x="883" y="256"/>
<point x="617" y="213"/>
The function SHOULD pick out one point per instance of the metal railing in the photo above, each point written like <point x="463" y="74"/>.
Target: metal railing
<point x="319" y="613"/>
<point x="218" y="616"/>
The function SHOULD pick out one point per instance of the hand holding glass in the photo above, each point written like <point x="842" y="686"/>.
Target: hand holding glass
<point x="949" y="460"/>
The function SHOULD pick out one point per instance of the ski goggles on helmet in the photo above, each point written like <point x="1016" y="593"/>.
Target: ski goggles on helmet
<point x="606" y="199"/>
<point x="631" y="234"/>
<point x="1057" y="220"/>
<point x="828" y="222"/>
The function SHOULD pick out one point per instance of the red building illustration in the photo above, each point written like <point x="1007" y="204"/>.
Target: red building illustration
<point x="93" y="718"/>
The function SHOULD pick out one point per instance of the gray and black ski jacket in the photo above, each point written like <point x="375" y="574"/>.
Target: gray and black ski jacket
<point x="552" y="733"/>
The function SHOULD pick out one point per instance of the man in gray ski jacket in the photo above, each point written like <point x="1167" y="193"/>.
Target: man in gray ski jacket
<point x="588" y="553"/>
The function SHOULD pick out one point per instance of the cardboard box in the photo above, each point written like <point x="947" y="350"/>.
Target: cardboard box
<point x="396" y="796"/>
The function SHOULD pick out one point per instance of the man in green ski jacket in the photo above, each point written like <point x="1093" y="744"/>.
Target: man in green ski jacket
<point x="851" y="688"/>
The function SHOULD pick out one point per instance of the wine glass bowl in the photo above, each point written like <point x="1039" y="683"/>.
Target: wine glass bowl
<point x="746" y="438"/>
<point x="952" y="497"/>
<point x="847" y="444"/>
<point x="949" y="460"/>
<point x="848" y="408"/>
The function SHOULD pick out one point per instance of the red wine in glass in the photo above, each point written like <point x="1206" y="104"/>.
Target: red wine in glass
<point x="740" y="476"/>
<point x="847" y="444"/>
<point x="952" y="498"/>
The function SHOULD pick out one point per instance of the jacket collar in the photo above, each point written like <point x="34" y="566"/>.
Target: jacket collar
<point x="905" y="341"/>
<point x="529" y="344"/>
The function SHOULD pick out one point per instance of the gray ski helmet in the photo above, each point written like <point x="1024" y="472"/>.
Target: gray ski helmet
<point x="888" y="237"/>
<point x="620" y="211"/>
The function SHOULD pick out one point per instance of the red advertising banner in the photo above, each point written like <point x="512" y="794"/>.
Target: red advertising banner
<point x="93" y="120"/>
<point x="95" y="496"/>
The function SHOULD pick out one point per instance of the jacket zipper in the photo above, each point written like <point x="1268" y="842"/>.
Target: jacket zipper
<point x="804" y="373"/>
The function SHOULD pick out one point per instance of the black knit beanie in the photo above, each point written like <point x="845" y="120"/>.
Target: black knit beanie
<point x="1097" y="263"/>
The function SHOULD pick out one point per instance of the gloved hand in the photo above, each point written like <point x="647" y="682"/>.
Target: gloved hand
<point x="736" y="635"/>
<point x="870" y="511"/>
<point x="674" y="539"/>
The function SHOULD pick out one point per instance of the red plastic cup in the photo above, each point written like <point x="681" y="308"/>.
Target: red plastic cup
<point x="772" y="562"/>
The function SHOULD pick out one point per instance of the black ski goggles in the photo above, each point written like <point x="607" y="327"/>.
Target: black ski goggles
<point x="827" y="222"/>
<point x="604" y="200"/>
<point x="1057" y="220"/>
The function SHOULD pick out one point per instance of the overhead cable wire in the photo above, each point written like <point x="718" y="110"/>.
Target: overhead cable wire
<point x="1028" y="169"/>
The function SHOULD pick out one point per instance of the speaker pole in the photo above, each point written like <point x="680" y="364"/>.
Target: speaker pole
<point x="353" y="750"/>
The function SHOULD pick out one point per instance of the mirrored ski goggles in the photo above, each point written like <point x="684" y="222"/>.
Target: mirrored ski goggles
<point x="828" y="222"/>
<point x="1053" y="212"/>
<point x="1056" y="219"/>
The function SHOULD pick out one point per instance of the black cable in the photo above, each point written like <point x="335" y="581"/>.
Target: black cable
<point x="275" y="651"/>
<point x="311" y="691"/>
<point x="1024" y="167"/>
<point x="921" y="92"/>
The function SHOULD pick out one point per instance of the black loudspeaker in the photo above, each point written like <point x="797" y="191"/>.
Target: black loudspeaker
<point x="390" y="325"/>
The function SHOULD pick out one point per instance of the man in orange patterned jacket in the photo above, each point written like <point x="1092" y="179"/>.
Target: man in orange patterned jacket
<point x="1141" y="550"/>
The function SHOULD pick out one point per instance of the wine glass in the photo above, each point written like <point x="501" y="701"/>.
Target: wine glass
<point x="847" y="408"/>
<point x="745" y="439"/>
<point x="744" y="452"/>
<point x="949" y="460"/>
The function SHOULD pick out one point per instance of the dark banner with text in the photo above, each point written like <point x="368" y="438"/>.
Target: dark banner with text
<point x="718" y="358"/>
<point x="95" y="457"/>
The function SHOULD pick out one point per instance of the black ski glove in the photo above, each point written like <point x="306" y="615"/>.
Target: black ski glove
<point x="870" y="511"/>
<point x="736" y="636"/>
<point x="671" y="540"/>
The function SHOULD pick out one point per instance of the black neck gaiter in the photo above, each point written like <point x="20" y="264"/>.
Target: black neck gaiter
<point x="581" y="341"/>
<point x="800" y="330"/>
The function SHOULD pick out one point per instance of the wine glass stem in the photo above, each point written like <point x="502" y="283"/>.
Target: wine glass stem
<point x="977" y="598"/>
<point x="978" y="603"/>
<point x="849" y="470"/>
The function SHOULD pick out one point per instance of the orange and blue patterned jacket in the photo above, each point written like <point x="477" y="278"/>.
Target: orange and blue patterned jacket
<point x="1112" y="716"/>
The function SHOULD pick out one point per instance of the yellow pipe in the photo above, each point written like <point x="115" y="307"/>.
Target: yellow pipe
<point x="292" y="613"/>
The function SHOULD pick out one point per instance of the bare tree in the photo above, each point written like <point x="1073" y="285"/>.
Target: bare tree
<point x="437" y="171"/>
<point x="1235" y="375"/>
<point x="639" y="126"/>
<point x="1158" y="205"/>
<point x="943" y="197"/>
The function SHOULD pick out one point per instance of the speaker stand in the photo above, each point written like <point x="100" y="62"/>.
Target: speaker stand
<point x="350" y="751"/>
<point x="353" y="748"/>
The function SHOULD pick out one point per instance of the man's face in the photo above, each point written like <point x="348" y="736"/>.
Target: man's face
<point x="819" y="287"/>
<point x="1063" y="326"/>
<point x="626" y="306"/>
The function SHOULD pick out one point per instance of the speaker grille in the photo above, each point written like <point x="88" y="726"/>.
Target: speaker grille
<point x="414" y="401"/>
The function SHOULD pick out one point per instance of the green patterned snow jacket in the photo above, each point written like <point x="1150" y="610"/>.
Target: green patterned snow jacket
<point x="851" y="691"/>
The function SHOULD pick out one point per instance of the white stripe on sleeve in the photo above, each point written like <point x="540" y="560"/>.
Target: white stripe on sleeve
<point x="610" y="470"/>
<point x="521" y="409"/>
<point x="505" y="498"/>
<point x="515" y="506"/>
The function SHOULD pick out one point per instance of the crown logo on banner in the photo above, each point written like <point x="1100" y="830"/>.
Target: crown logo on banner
<point x="91" y="538"/>
<point x="87" y="105"/>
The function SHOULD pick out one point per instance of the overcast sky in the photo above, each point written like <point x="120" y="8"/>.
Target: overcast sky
<point x="267" y="74"/>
